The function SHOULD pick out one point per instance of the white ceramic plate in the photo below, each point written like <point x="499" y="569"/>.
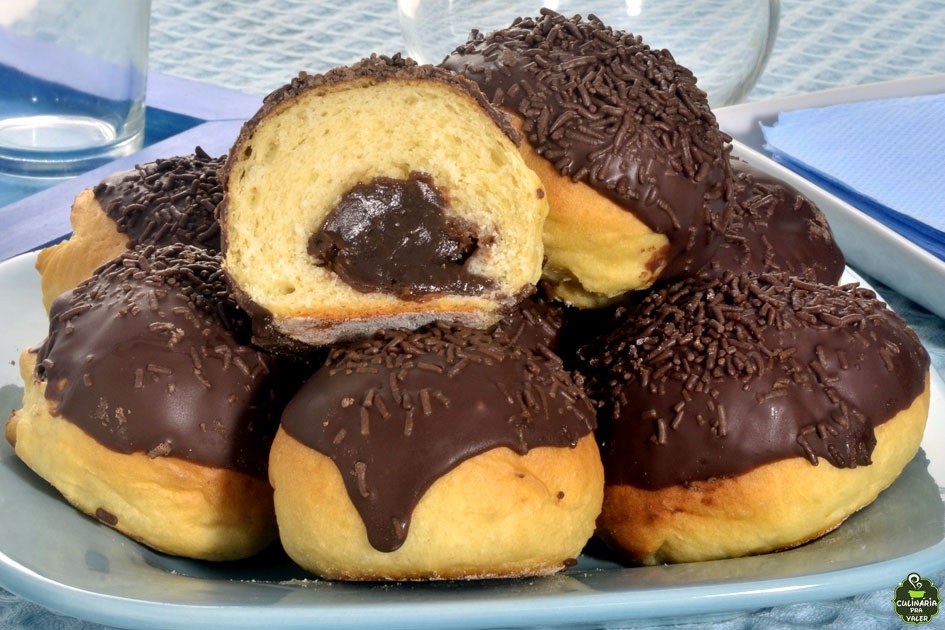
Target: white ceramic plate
<point x="53" y="555"/>
<point x="867" y="244"/>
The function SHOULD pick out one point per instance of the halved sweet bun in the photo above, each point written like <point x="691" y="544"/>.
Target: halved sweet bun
<point x="382" y="195"/>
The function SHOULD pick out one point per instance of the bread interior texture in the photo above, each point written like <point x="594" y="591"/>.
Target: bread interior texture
<point x="305" y="156"/>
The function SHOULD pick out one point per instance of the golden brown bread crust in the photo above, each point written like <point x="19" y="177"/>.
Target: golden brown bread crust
<point x="609" y="114"/>
<point x="163" y="202"/>
<point x="372" y="69"/>
<point x="498" y="514"/>
<point x="595" y="250"/>
<point x="95" y="241"/>
<point x="773" y="507"/>
<point x="169" y="504"/>
<point x="320" y="136"/>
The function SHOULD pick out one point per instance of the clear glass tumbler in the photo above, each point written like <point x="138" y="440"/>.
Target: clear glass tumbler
<point x="726" y="43"/>
<point x="73" y="76"/>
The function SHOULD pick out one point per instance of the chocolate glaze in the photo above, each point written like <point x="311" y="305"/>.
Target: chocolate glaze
<point x="149" y="356"/>
<point x="774" y="228"/>
<point x="712" y="378"/>
<point x="397" y="412"/>
<point x="167" y="201"/>
<point x="393" y="236"/>
<point x="608" y="110"/>
<point x="535" y="324"/>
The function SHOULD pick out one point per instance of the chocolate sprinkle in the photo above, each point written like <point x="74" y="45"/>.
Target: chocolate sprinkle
<point x="106" y="517"/>
<point x="487" y="393"/>
<point x="712" y="378"/>
<point x="608" y="110"/>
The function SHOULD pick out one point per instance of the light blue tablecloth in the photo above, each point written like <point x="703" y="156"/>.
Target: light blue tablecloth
<point x="255" y="46"/>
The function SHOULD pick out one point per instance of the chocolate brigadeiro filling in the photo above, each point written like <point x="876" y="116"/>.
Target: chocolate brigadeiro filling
<point x="710" y="379"/>
<point x="397" y="412"/>
<point x="167" y="201"/>
<point x="608" y="110"/>
<point x="150" y="356"/>
<point x="393" y="236"/>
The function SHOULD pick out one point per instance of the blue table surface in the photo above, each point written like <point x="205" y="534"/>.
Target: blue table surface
<point x="251" y="48"/>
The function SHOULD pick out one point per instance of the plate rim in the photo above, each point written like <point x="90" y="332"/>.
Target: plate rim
<point x="706" y="600"/>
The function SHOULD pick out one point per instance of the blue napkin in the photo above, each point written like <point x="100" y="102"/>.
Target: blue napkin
<point x="885" y="157"/>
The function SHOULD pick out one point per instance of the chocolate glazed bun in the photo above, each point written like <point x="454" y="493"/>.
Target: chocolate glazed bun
<point x="381" y="195"/>
<point x="168" y="201"/>
<point x="774" y="228"/>
<point x="635" y="167"/>
<point x="443" y="453"/>
<point x="147" y="410"/>
<point x="748" y="414"/>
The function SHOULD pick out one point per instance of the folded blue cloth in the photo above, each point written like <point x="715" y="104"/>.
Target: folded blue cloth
<point x="884" y="157"/>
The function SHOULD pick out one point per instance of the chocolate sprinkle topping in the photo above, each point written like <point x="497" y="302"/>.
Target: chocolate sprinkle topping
<point x="535" y="324"/>
<point x="150" y="356"/>
<point x="167" y="201"/>
<point x="774" y="228"/>
<point x="712" y="378"/>
<point x="398" y="411"/>
<point x="608" y="110"/>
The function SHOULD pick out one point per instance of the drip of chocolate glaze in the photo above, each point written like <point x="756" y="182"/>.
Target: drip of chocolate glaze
<point x="774" y="228"/>
<point x="150" y="356"/>
<point x="393" y="236"/>
<point x="171" y="200"/>
<point x="397" y="412"/>
<point x="608" y="110"/>
<point x="712" y="378"/>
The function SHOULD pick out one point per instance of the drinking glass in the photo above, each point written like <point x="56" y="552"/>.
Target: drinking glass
<point x="726" y="43"/>
<point x="73" y="75"/>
